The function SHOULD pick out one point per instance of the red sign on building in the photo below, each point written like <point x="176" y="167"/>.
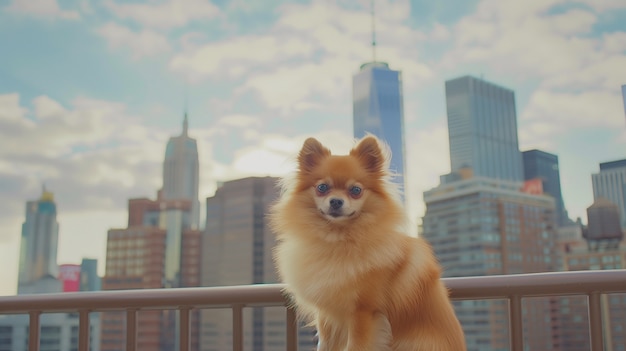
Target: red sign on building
<point x="533" y="186"/>
<point x="69" y="275"/>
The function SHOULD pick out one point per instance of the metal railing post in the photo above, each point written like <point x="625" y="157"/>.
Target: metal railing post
<point x="515" y="323"/>
<point x="292" y="329"/>
<point x="237" y="327"/>
<point x="34" y="331"/>
<point x="184" y="330"/>
<point x="83" y="330"/>
<point x="595" y="322"/>
<point x="131" y="330"/>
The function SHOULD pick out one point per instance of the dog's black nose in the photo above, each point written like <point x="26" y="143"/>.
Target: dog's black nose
<point x="336" y="204"/>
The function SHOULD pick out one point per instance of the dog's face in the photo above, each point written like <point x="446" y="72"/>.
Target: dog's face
<point x="341" y="186"/>
<point x="337" y="200"/>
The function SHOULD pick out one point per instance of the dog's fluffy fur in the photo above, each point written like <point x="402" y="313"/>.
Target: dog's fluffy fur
<point x="347" y="261"/>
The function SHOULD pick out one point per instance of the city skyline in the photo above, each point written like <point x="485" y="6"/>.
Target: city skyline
<point x="90" y="94"/>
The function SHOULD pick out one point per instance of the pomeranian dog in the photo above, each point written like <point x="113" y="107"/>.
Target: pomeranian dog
<point x="347" y="261"/>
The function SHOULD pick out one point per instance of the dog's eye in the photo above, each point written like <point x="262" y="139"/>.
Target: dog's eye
<point x="355" y="191"/>
<point x="322" y="188"/>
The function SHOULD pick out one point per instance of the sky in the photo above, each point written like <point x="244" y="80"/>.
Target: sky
<point x="90" y="92"/>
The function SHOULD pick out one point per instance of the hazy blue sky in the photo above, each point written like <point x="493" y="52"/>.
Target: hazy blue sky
<point x="90" y="91"/>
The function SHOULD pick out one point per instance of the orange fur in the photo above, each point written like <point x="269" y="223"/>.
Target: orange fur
<point x="348" y="263"/>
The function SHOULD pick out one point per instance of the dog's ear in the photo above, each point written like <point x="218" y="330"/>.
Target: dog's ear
<point x="311" y="154"/>
<point x="370" y="154"/>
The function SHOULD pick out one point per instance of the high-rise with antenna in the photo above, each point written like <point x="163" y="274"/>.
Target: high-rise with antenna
<point x="378" y="106"/>
<point x="373" y="32"/>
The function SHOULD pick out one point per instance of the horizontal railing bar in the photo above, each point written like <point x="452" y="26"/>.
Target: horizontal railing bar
<point x="481" y="287"/>
<point x="537" y="284"/>
<point x="211" y="297"/>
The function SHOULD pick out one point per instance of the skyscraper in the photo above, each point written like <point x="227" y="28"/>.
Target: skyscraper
<point x="610" y="183"/>
<point x="89" y="279"/>
<point x="482" y="129"/>
<point x="38" y="267"/>
<point x="237" y="249"/>
<point x="378" y="109"/>
<point x="545" y="166"/>
<point x="180" y="172"/>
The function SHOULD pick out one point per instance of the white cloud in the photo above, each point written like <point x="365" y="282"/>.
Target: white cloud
<point x="603" y="5"/>
<point x="309" y="54"/>
<point x="283" y="88"/>
<point x="164" y="14"/>
<point x="141" y="44"/>
<point x="588" y="109"/>
<point x="45" y="107"/>
<point x="550" y="115"/>
<point x="614" y="43"/>
<point x="233" y="58"/>
<point x="523" y="37"/>
<point x="42" y="8"/>
<point x="12" y="112"/>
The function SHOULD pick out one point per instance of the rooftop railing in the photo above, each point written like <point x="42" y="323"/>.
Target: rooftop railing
<point x="510" y="287"/>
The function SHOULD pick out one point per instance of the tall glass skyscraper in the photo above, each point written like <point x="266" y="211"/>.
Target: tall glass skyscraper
<point x="610" y="183"/>
<point x="482" y="128"/>
<point x="544" y="165"/>
<point x="180" y="172"/>
<point x="38" y="250"/>
<point x="378" y="109"/>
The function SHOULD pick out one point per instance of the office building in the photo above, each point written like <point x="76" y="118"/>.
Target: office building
<point x="603" y="227"/>
<point x="482" y="129"/>
<point x="485" y="226"/>
<point x="89" y="278"/>
<point x="596" y="255"/>
<point x="180" y="172"/>
<point x="610" y="183"/>
<point x="137" y="258"/>
<point x="236" y="250"/>
<point x="545" y="166"/>
<point x="38" y="269"/>
<point x="378" y="109"/>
